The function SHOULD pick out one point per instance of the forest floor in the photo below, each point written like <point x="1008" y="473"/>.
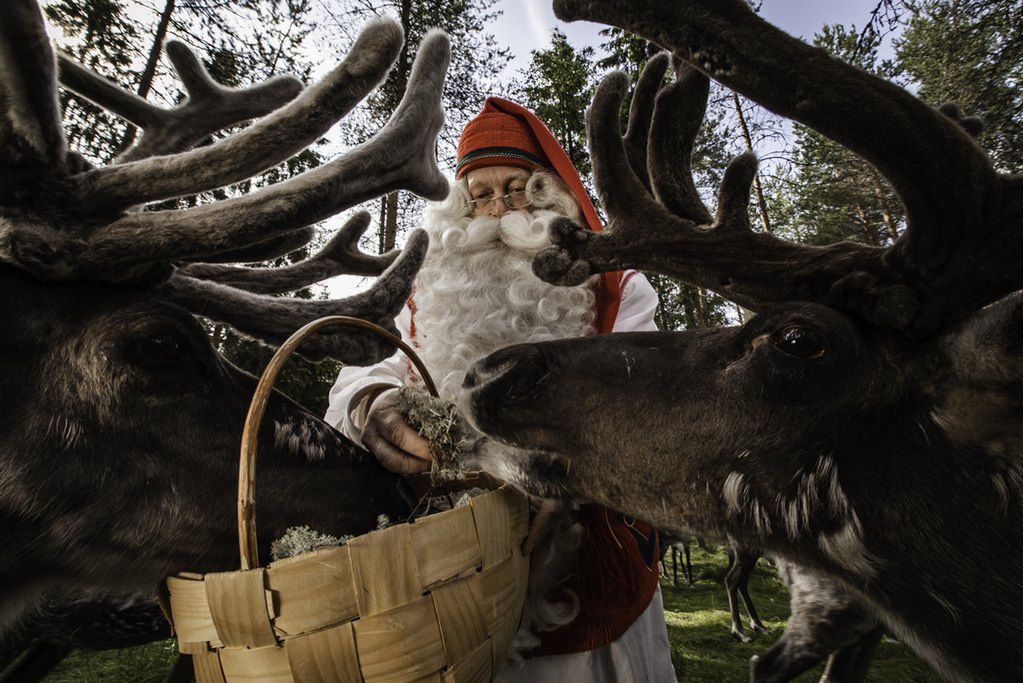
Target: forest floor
<point x="698" y="628"/>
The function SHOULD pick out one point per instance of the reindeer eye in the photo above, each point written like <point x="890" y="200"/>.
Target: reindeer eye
<point x="799" y="342"/>
<point x="160" y="348"/>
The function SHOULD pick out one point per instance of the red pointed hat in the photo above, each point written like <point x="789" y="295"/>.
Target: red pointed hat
<point x="508" y="134"/>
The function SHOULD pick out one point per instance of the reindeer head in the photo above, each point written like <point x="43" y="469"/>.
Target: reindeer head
<point x="866" y="422"/>
<point x="120" y="424"/>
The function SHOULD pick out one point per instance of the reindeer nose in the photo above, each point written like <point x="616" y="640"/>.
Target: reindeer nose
<point x="511" y="374"/>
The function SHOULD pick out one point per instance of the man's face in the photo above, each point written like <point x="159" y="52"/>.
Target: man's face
<point x="492" y="188"/>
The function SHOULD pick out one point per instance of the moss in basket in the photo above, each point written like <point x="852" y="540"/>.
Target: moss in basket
<point x="437" y="421"/>
<point x="299" y="540"/>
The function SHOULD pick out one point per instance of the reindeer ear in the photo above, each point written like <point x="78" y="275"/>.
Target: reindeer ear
<point x="31" y="133"/>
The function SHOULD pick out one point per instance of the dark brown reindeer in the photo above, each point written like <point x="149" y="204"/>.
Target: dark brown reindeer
<point x="119" y="423"/>
<point x="865" y="424"/>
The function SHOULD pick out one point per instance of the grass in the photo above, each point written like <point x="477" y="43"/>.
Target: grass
<point x="698" y="628"/>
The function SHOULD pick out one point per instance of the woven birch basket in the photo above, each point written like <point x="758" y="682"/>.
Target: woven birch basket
<point x="437" y="599"/>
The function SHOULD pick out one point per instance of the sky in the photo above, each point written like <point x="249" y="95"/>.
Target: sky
<point x="526" y="25"/>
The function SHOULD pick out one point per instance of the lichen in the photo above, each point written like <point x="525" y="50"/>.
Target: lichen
<point x="437" y="421"/>
<point x="301" y="539"/>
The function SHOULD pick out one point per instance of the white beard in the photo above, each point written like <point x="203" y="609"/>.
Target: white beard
<point x="477" y="292"/>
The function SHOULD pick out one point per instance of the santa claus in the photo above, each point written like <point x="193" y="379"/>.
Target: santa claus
<point x="477" y="293"/>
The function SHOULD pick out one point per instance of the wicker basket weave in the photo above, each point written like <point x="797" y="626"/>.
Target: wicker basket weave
<point x="438" y="599"/>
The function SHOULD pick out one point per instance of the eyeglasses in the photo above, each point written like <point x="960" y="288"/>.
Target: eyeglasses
<point x="516" y="199"/>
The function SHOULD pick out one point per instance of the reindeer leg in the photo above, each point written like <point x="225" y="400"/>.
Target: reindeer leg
<point x="748" y="565"/>
<point x="792" y="654"/>
<point x="674" y="565"/>
<point x="850" y="664"/>
<point x="731" y="589"/>
<point x="689" y="565"/>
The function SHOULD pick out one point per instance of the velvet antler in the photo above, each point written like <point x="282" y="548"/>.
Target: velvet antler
<point x="208" y="107"/>
<point x="272" y="319"/>
<point x="60" y="222"/>
<point x="960" y="212"/>
<point x="400" y="156"/>
<point x="31" y="135"/>
<point x="643" y="233"/>
<point x="267" y="142"/>
<point x="340" y="256"/>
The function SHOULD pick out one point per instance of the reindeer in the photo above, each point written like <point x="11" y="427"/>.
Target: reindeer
<point x="678" y="545"/>
<point x="864" y="425"/>
<point x="120" y="423"/>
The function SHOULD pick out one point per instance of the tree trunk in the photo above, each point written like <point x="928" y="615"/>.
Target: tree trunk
<point x="382" y="229"/>
<point x="390" y="234"/>
<point x="868" y="230"/>
<point x="149" y="72"/>
<point x="882" y="202"/>
<point x="748" y="139"/>
<point x="389" y="227"/>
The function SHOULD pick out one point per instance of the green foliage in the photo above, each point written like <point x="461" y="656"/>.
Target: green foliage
<point x="971" y="52"/>
<point x="98" y="34"/>
<point x="557" y="86"/>
<point x="625" y="51"/>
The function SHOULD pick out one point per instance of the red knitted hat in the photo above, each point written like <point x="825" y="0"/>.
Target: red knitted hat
<point x="508" y="134"/>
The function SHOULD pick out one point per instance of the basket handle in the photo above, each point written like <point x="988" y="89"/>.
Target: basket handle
<point x="250" y="434"/>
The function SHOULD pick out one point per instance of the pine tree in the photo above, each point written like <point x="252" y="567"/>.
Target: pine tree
<point x="557" y="86"/>
<point x="98" y="34"/>
<point x="971" y="52"/>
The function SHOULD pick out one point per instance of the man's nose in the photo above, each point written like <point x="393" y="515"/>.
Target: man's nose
<point x="499" y="208"/>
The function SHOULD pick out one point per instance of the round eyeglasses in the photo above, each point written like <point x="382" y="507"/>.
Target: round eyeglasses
<point x="516" y="199"/>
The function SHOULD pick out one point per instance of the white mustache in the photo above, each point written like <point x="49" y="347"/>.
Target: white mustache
<point x="521" y="230"/>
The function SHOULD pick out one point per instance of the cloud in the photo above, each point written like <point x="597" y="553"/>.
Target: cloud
<point x="539" y="22"/>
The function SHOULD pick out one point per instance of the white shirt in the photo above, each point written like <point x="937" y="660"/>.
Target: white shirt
<point x="635" y="314"/>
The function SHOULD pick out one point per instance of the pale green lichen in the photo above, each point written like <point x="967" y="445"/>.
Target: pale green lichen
<point x="301" y="539"/>
<point x="437" y="421"/>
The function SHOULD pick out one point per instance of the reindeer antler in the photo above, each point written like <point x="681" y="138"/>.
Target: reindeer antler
<point x="399" y="156"/>
<point x="208" y="107"/>
<point x="272" y="320"/>
<point x="31" y="136"/>
<point x="947" y="184"/>
<point x="59" y="224"/>
<point x="723" y="254"/>
<point x="340" y="256"/>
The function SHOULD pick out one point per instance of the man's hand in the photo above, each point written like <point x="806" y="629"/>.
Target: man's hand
<point x="397" y="446"/>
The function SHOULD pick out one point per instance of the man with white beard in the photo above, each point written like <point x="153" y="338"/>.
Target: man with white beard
<point x="476" y="293"/>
